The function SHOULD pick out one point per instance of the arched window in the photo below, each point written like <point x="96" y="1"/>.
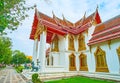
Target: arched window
<point x="81" y="42"/>
<point x="83" y="62"/>
<point x="70" y="42"/>
<point x="72" y="65"/>
<point x="55" y="44"/>
<point x="100" y="58"/>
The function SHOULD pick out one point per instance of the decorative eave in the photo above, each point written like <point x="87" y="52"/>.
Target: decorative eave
<point x="34" y="26"/>
<point x="105" y="38"/>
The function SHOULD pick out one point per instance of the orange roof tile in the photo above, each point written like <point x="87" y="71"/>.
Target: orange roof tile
<point x="106" y="31"/>
<point x="47" y="18"/>
<point x="108" y="24"/>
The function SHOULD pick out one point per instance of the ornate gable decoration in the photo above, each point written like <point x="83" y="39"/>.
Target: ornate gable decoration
<point x="99" y="51"/>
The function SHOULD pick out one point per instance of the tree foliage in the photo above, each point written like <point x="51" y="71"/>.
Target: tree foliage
<point x="5" y="50"/>
<point x="18" y="57"/>
<point x="28" y="60"/>
<point x="12" y="12"/>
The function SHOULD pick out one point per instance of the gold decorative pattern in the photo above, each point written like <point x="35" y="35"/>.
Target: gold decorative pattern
<point x="55" y="44"/>
<point x="90" y="47"/>
<point x="83" y="62"/>
<point x="94" y="22"/>
<point x="40" y="29"/>
<point x="71" y="42"/>
<point x="81" y="42"/>
<point x="100" y="58"/>
<point x="118" y="51"/>
<point x="109" y="43"/>
<point x="72" y="60"/>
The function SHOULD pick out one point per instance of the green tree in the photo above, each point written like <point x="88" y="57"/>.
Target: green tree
<point x="12" y="12"/>
<point x="18" y="57"/>
<point x="28" y="60"/>
<point x="5" y="50"/>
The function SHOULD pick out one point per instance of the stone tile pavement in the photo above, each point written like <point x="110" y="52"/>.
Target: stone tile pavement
<point x="9" y="75"/>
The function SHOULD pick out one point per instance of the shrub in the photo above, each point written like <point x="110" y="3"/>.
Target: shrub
<point x="35" y="78"/>
<point x="19" y="69"/>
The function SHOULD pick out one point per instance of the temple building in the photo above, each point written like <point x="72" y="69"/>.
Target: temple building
<point x="89" y="45"/>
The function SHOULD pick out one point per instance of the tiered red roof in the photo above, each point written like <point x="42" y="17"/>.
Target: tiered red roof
<point x="62" y="26"/>
<point x="106" y="31"/>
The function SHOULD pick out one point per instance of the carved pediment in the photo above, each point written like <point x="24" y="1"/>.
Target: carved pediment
<point x="99" y="51"/>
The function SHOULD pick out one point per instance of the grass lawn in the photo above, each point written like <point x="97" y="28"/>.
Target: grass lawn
<point x="80" y="79"/>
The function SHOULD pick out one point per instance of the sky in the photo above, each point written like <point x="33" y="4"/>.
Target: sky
<point x="73" y="10"/>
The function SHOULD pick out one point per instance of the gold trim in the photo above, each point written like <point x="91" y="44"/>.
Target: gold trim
<point x="94" y="22"/>
<point x="40" y="29"/>
<point x="102" y="69"/>
<point x="90" y="47"/>
<point x="109" y="44"/>
<point x="83" y="68"/>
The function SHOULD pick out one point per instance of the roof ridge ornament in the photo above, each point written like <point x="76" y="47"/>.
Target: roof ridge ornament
<point x="64" y="19"/>
<point x="38" y="15"/>
<point x="67" y="22"/>
<point x="83" y="18"/>
<point x="55" y="18"/>
<point x="94" y="16"/>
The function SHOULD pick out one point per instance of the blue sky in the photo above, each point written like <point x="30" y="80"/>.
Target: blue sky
<point x="73" y="10"/>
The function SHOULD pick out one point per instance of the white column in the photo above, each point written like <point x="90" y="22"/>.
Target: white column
<point x="35" y="50"/>
<point x="77" y="62"/>
<point x="42" y="51"/>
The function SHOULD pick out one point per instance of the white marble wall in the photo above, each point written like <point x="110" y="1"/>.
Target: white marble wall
<point x="61" y="58"/>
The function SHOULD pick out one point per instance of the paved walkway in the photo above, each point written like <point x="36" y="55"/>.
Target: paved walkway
<point x="9" y="75"/>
